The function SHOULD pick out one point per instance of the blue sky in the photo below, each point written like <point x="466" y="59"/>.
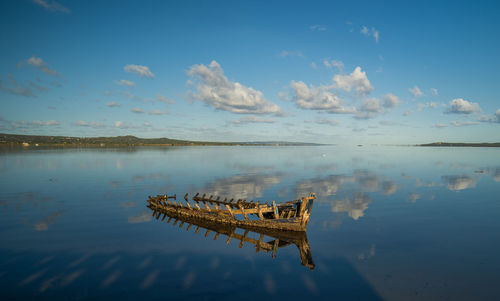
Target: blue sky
<point x="344" y="72"/>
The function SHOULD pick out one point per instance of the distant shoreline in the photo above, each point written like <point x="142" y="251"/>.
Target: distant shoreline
<point x="461" y="144"/>
<point x="14" y="140"/>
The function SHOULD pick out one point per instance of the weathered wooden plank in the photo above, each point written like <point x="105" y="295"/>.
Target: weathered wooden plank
<point x="275" y="247"/>
<point x="243" y="238"/>
<point x="259" y="212"/>
<point x="230" y="212"/>
<point x="259" y="242"/>
<point x="243" y="211"/>
<point x="275" y="210"/>
<point x="229" y="237"/>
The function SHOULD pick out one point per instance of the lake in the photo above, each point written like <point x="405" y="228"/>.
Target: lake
<point x="389" y="223"/>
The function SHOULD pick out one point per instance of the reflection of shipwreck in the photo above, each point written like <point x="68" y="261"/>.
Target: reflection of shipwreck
<point x="279" y="238"/>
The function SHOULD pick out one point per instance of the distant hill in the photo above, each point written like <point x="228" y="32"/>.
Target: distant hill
<point x="459" y="144"/>
<point x="33" y="140"/>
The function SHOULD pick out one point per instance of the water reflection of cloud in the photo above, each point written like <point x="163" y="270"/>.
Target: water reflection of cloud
<point x="68" y="279"/>
<point x="413" y="197"/>
<point x="149" y="280"/>
<point x="32" y="277"/>
<point x="269" y="284"/>
<point x="141" y="218"/>
<point x="389" y="187"/>
<point x="252" y="169"/>
<point x="128" y="204"/>
<point x="460" y="182"/>
<point x="495" y="172"/>
<point x="323" y="187"/>
<point x="326" y="167"/>
<point x="189" y="280"/>
<point x="44" y="224"/>
<point x="110" y="263"/>
<point x="111" y="278"/>
<point x="355" y="206"/>
<point x="145" y="263"/>
<point x="242" y="186"/>
<point x="369" y="182"/>
<point x="309" y="283"/>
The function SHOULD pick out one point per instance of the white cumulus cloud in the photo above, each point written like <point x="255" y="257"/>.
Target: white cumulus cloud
<point x="314" y="98"/>
<point x="216" y="90"/>
<point x="142" y="71"/>
<point x="372" y="105"/>
<point x="462" y="106"/>
<point x="357" y="80"/>
<point x="390" y="100"/>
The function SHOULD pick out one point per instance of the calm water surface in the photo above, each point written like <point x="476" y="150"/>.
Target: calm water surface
<point x="389" y="223"/>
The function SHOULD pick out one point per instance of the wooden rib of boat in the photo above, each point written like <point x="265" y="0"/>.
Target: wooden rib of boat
<point x="245" y="235"/>
<point x="290" y="216"/>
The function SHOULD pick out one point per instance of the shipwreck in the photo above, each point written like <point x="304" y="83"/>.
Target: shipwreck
<point x="246" y="230"/>
<point x="289" y="216"/>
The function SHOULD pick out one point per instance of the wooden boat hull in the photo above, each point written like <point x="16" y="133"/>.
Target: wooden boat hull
<point x="289" y="216"/>
<point x="290" y="224"/>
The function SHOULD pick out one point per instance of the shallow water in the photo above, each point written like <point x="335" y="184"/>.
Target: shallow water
<point x="389" y="223"/>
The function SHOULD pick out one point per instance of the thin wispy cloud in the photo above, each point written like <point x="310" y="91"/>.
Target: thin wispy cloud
<point x="330" y="122"/>
<point x="415" y="91"/>
<point x="290" y="53"/>
<point x="91" y="124"/>
<point x="317" y="27"/>
<point x="52" y="6"/>
<point x="137" y="110"/>
<point x="370" y="32"/>
<point x="113" y="104"/>
<point x="157" y="112"/>
<point x="141" y="71"/>
<point x="124" y="82"/>
<point x="491" y="118"/>
<point x="252" y="119"/>
<point x="38" y="63"/>
<point x="13" y="87"/>
<point x="464" y="123"/>
<point x="164" y="99"/>
<point x="334" y="64"/>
